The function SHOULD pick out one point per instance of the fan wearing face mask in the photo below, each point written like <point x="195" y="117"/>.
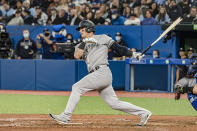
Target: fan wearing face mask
<point x="116" y="19"/>
<point x="156" y="54"/>
<point x="119" y="39"/>
<point x="44" y="41"/>
<point x="26" y="47"/>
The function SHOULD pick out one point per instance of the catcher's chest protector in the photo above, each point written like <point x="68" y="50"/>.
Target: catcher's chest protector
<point x="193" y="100"/>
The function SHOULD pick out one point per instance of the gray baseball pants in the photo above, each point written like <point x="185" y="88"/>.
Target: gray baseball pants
<point x="100" y="80"/>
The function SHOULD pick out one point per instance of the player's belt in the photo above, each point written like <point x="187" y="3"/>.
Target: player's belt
<point x="96" y="68"/>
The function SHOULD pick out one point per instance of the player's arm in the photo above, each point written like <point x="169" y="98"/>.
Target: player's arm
<point x="79" y="51"/>
<point x="121" y="50"/>
<point x="124" y="51"/>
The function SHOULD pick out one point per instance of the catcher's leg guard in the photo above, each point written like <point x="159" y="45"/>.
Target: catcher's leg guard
<point x="193" y="100"/>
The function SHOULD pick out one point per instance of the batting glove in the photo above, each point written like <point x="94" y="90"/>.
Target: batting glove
<point x="138" y="55"/>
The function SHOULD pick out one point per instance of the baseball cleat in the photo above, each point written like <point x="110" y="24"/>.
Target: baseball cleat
<point x="144" y="119"/>
<point x="61" y="118"/>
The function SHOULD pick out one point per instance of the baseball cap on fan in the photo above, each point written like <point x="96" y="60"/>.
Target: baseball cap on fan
<point x="190" y="49"/>
<point x="181" y="49"/>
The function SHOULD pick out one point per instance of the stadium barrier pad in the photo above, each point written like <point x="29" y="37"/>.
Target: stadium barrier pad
<point x="60" y="75"/>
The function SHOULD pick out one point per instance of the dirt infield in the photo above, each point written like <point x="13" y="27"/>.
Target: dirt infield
<point x="97" y="123"/>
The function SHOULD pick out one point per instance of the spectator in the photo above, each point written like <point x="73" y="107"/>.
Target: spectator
<point x="175" y="10"/>
<point x="19" y="5"/>
<point x="69" y="54"/>
<point x="156" y="54"/>
<point x="133" y="20"/>
<point x="87" y="10"/>
<point x="90" y="16"/>
<point x="96" y="4"/>
<point x="63" y="5"/>
<point x="45" y="42"/>
<point x="192" y="17"/>
<point x="45" y="4"/>
<point x="104" y="12"/>
<point x="143" y="7"/>
<point x="116" y="18"/>
<point x="7" y="12"/>
<point x="107" y="21"/>
<point x="181" y="69"/>
<point x="116" y="4"/>
<point x="138" y="14"/>
<point x="40" y="17"/>
<point x="53" y="16"/>
<point x="185" y="7"/>
<point x="69" y="37"/>
<point x="27" y="6"/>
<point x="182" y="54"/>
<point x="149" y="20"/>
<point x="54" y="4"/>
<point x="26" y="47"/>
<point x="133" y="50"/>
<point x="154" y="10"/>
<point x="83" y="9"/>
<point x="127" y="12"/>
<point x="27" y="17"/>
<point x="98" y="20"/>
<point x="61" y="18"/>
<point x="162" y="17"/>
<point x="119" y="39"/>
<point x="160" y="2"/>
<point x="190" y="51"/>
<point x="74" y="18"/>
<point x="149" y="3"/>
<point x="125" y="3"/>
<point x="6" y="51"/>
<point x="17" y="20"/>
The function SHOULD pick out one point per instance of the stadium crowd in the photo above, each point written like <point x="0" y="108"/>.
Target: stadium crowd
<point x="72" y="12"/>
<point x="101" y="12"/>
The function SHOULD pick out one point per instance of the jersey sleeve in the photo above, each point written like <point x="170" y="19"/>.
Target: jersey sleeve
<point x="108" y="41"/>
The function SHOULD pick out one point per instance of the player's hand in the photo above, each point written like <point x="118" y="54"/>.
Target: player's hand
<point x="138" y="55"/>
<point x="90" y="40"/>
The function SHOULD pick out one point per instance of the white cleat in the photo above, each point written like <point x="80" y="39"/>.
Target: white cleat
<point x="61" y="118"/>
<point x="144" y="119"/>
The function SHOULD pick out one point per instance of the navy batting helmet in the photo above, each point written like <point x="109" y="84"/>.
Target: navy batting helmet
<point x="88" y="25"/>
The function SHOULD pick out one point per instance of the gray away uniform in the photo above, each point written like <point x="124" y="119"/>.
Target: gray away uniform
<point x="96" y="54"/>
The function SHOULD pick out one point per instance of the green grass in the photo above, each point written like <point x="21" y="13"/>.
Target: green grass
<point x="37" y="104"/>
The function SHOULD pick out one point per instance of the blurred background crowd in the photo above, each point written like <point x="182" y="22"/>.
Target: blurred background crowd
<point x="72" y="12"/>
<point x="101" y="12"/>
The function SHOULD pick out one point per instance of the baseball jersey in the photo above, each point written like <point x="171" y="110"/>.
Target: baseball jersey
<point x="96" y="53"/>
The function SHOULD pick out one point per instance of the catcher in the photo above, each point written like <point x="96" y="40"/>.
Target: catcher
<point x="188" y="85"/>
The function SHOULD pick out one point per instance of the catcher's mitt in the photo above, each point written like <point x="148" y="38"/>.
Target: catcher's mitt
<point x="178" y="91"/>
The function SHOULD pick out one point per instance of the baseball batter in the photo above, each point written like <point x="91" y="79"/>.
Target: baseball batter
<point x="94" y="50"/>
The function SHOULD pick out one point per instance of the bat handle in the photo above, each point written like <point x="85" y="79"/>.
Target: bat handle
<point x="146" y="50"/>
